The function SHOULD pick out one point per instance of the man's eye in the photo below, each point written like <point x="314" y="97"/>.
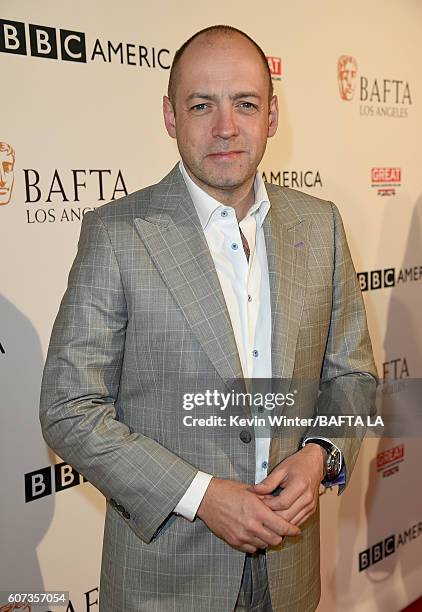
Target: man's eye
<point x="200" y="107"/>
<point x="248" y="105"/>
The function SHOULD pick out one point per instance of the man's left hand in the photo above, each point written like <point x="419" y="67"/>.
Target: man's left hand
<point x="300" y="476"/>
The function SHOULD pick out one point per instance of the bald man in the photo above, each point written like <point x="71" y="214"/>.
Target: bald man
<point x="196" y="285"/>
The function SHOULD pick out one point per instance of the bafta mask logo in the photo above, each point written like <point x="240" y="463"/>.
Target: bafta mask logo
<point x="347" y="69"/>
<point x="7" y="164"/>
<point x="16" y="606"/>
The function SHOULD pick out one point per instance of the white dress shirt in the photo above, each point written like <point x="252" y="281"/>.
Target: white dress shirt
<point x="246" y="290"/>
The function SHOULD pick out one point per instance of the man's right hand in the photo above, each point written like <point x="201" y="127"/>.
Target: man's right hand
<point x="236" y="515"/>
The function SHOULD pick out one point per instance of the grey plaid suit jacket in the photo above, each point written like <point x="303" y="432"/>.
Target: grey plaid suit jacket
<point x="144" y="315"/>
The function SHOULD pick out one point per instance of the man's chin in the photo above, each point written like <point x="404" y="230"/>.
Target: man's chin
<point x="226" y="182"/>
<point x="230" y="177"/>
<point x="214" y="176"/>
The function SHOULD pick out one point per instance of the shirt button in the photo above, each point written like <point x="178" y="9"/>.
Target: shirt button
<point x="235" y="246"/>
<point x="249" y="298"/>
<point x="224" y="213"/>
<point x="255" y="353"/>
<point x="264" y="465"/>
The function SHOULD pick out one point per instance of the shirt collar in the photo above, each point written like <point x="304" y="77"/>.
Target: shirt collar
<point x="206" y="205"/>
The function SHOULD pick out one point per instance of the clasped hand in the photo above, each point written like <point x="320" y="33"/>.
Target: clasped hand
<point x="250" y="517"/>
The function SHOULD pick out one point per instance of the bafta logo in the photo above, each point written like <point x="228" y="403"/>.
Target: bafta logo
<point x="347" y="69"/>
<point x="16" y="606"/>
<point x="7" y="163"/>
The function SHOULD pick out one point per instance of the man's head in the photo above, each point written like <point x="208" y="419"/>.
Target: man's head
<point x="7" y="162"/>
<point x="220" y="107"/>
<point x="346" y="74"/>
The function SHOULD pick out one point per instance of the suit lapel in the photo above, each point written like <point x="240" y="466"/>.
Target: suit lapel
<point x="286" y="238"/>
<point x="171" y="232"/>
<point x="287" y="242"/>
<point x="173" y="236"/>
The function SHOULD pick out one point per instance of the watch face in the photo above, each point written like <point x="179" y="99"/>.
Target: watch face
<point x="333" y="464"/>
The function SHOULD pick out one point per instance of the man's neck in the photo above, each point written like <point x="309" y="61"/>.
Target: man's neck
<point x="240" y="198"/>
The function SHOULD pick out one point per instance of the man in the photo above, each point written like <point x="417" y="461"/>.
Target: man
<point x="194" y="284"/>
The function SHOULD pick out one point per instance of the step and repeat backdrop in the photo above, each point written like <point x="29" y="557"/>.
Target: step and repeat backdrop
<point x="81" y="124"/>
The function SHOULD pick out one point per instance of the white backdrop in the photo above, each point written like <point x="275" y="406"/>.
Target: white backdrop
<point x="97" y="124"/>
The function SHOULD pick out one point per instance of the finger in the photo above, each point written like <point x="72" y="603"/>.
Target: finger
<point x="270" y="483"/>
<point x="252" y="540"/>
<point x="260" y="542"/>
<point x="278" y="524"/>
<point x="303" y="516"/>
<point x="275" y="503"/>
<point x="269" y="537"/>
<point x="248" y="548"/>
<point x="301" y="504"/>
<point x="290" y="496"/>
<point x="256" y="532"/>
<point x="296" y="514"/>
<point x="265" y="487"/>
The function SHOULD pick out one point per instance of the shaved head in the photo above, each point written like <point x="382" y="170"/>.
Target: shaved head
<point x="212" y="36"/>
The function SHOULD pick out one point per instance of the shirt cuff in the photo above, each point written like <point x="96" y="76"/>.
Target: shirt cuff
<point x="191" y="500"/>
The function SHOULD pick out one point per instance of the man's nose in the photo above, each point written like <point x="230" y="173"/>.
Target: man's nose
<point x="225" y="125"/>
<point x="2" y="177"/>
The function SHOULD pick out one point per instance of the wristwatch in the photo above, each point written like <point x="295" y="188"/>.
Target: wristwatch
<point x="334" y="460"/>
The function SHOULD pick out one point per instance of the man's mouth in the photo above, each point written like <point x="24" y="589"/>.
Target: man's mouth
<point x="225" y="154"/>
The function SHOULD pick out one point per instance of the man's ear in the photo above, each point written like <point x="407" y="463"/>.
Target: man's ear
<point x="273" y="116"/>
<point x="169" y="117"/>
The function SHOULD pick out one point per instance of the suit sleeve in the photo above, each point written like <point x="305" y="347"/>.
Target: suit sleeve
<point x="143" y="480"/>
<point x="348" y="375"/>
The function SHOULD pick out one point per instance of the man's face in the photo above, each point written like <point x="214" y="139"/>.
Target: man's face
<point x="222" y="117"/>
<point x="347" y="75"/>
<point x="6" y="177"/>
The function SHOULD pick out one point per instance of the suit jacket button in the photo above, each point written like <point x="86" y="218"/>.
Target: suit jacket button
<point x="120" y="508"/>
<point x="113" y="502"/>
<point x="126" y="514"/>
<point x="245" y="436"/>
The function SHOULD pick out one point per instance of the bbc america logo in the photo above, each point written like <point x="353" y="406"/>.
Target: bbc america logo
<point x="377" y="279"/>
<point x="71" y="46"/>
<point x="42" y="482"/>
<point x="42" y="41"/>
<point x="377" y="552"/>
<point x="388" y="277"/>
<point x="383" y="549"/>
